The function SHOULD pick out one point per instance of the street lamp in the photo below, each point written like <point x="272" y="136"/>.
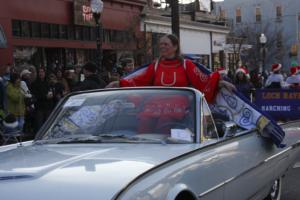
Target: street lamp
<point x="263" y="41"/>
<point x="97" y="8"/>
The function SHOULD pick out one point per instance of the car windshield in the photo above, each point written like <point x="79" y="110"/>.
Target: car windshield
<point x="133" y="116"/>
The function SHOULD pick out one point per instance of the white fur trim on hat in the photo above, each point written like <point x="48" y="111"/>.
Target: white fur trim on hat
<point x="240" y="70"/>
<point x="277" y="68"/>
<point x="10" y="125"/>
<point x="223" y="71"/>
<point x="25" y="71"/>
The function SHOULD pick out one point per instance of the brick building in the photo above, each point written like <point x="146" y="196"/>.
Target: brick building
<point x="61" y="32"/>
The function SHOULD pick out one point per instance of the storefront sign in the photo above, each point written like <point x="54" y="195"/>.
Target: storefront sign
<point x="280" y="104"/>
<point x="83" y="13"/>
<point x="205" y="5"/>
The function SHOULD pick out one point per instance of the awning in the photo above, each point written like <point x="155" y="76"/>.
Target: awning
<point x="3" y="41"/>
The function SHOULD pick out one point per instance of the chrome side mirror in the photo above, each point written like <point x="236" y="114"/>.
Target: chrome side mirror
<point x="230" y="128"/>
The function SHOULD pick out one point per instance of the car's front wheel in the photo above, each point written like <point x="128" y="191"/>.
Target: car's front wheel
<point x="275" y="192"/>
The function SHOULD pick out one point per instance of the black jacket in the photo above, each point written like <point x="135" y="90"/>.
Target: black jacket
<point x="39" y="90"/>
<point x="91" y="82"/>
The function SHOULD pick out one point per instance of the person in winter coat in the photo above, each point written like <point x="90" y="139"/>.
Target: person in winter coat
<point x="242" y="82"/>
<point x="275" y="80"/>
<point x="62" y="80"/>
<point x="57" y="88"/>
<point x="172" y="70"/>
<point x="43" y="99"/>
<point x="15" y="99"/>
<point x="91" y="79"/>
<point x="293" y="80"/>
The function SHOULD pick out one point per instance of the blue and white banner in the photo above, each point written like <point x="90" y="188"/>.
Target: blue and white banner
<point x="281" y="104"/>
<point x="236" y="109"/>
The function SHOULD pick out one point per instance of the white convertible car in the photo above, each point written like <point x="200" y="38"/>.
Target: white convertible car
<point x="144" y="144"/>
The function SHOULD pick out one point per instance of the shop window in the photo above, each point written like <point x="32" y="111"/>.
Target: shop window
<point x="35" y="29"/>
<point x="71" y="32"/>
<point x="93" y="33"/>
<point x="222" y="14"/>
<point x="238" y="15"/>
<point x="16" y="28"/>
<point x="25" y="29"/>
<point x="78" y="33"/>
<point x="70" y="56"/>
<point x="258" y="14"/>
<point x="54" y="31"/>
<point x="45" y="29"/>
<point x="107" y="35"/>
<point x="113" y="35"/>
<point x="278" y="12"/>
<point x="102" y="33"/>
<point x="120" y="36"/>
<point x="128" y="36"/>
<point x="86" y="33"/>
<point x="63" y="32"/>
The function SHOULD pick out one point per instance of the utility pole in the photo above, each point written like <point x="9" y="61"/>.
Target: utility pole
<point x="175" y="17"/>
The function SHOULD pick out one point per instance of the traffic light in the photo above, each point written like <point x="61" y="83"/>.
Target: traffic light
<point x="294" y="50"/>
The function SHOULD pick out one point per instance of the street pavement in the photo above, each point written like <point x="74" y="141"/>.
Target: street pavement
<point x="291" y="183"/>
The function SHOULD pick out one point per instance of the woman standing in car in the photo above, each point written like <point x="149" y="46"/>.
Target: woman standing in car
<point x="172" y="70"/>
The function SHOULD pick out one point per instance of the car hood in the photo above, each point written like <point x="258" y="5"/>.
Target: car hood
<point x="78" y="171"/>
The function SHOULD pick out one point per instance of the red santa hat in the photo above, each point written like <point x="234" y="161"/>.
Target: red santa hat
<point x="276" y="67"/>
<point x="221" y="70"/>
<point x="244" y="70"/>
<point x="298" y="69"/>
<point x="294" y="70"/>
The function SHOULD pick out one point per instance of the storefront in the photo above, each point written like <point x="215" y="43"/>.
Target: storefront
<point x="218" y="56"/>
<point x="48" y="33"/>
<point x="195" y="38"/>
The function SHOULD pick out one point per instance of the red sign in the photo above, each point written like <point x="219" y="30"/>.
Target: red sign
<point x="83" y="13"/>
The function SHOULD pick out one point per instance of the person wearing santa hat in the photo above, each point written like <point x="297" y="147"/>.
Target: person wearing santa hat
<point x="225" y="74"/>
<point x="275" y="80"/>
<point x="242" y="82"/>
<point x="294" y="79"/>
<point x="222" y="71"/>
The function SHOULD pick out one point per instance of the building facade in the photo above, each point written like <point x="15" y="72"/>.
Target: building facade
<point x="278" y="20"/>
<point x="62" y="32"/>
<point x="200" y="34"/>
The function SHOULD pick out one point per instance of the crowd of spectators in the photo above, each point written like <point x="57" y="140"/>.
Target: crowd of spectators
<point x="246" y="83"/>
<point x="277" y="80"/>
<point x="30" y="94"/>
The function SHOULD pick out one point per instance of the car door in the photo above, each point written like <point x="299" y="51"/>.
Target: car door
<point x="211" y="165"/>
<point x="244" y="161"/>
<point x="247" y="165"/>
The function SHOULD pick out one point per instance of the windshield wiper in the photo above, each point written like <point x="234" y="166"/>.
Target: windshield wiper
<point x="86" y="139"/>
<point x="81" y="140"/>
<point x="71" y="139"/>
<point x="100" y="139"/>
<point x="142" y="139"/>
